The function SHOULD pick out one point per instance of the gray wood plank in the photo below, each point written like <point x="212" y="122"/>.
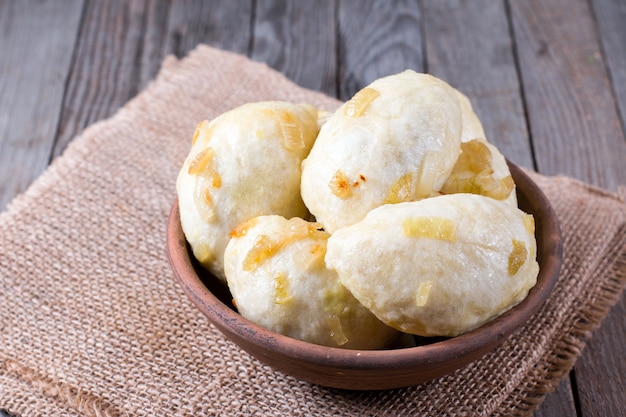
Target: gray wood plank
<point x="605" y="352"/>
<point x="572" y="113"/>
<point x="225" y="24"/>
<point x="299" y="40"/>
<point x="576" y="131"/>
<point x="107" y="70"/>
<point x="377" y="38"/>
<point x="156" y="17"/>
<point x="558" y="403"/>
<point x="469" y="45"/>
<point x="601" y="369"/>
<point x="610" y="17"/>
<point x="122" y="45"/>
<point x="37" y="42"/>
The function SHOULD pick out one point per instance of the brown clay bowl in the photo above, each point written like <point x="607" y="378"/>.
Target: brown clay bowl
<point x="378" y="369"/>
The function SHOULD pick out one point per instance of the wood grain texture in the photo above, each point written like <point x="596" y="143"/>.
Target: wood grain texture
<point x="298" y="39"/>
<point x="601" y="369"/>
<point x="558" y="403"/>
<point x="37" y="42"/>
<point x="610" y="17"/>
<point x="571" y="109"/>
<point x="152" y="50"/>
<point x="122" y="45"/>
<point x="224" y="24"/>
<point x="576" y="131"/>
<point x="605" y="352"/>
<point x="377" y="38"/>
<point x="110" y="63"/>
<point x="468" y="44"/>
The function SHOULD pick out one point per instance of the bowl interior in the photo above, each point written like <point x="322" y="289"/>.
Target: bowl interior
<point x="401" y="365"/>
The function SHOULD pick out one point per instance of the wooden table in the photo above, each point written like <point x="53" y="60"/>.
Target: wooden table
<point x="547" y="77"/>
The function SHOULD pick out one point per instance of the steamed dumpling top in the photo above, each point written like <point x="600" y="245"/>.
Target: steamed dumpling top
<point x="395" y="140"/>
<point x="243" y="164"/>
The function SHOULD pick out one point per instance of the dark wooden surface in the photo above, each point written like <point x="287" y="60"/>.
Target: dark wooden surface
<point x="547" y="78"/>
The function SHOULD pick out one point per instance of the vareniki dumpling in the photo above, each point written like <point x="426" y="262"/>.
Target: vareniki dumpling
<point x="440" y="266"/>
<point x="481" y="168"/>
<point x="243" y="164"/>
<point x="417" y="228"/>
<point x="276" y="274"/>
<point x="396" y="140"/>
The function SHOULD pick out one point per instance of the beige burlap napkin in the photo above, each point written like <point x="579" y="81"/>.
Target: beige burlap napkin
<point x="94" y="324"/>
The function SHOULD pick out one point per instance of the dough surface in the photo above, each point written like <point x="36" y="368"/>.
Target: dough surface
<point x="396" y="140"/>
<point x="243" y="164"/>
<point x="440" y="266"/>
<point x="277" y="276"/>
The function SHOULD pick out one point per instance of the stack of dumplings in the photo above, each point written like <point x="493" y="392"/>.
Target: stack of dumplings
<point x="243" y="164"/>
<point x="415" y="225"/>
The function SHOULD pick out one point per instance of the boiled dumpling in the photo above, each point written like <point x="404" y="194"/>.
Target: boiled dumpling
<point x="395" y="140"/>
<point x="276" y="274"/>
<point x="440" y="266"/>
<point x="243" y="164"/>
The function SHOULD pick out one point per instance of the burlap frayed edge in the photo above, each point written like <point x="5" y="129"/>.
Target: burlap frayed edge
<point x="75" y="398"/>
<point x="548" y="375"/>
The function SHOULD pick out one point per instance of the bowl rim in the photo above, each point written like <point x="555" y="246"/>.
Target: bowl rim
<point x="470" y="343"/>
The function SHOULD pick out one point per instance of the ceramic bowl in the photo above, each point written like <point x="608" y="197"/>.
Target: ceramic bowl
<point x="377" y="369"/>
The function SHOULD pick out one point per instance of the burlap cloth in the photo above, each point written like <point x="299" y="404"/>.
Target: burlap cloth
<point x="93" y="323"/>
